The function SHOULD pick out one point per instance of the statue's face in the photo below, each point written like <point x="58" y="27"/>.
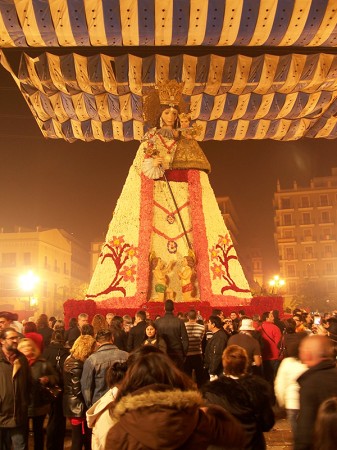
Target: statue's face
<point x="169" y="116"/>
<point x="184" y="122"/>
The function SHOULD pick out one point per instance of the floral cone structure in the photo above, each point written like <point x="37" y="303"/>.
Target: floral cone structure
<point x="167" y="239"/>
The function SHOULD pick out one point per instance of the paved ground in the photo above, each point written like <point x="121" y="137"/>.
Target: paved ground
<point x="278" y="438"/>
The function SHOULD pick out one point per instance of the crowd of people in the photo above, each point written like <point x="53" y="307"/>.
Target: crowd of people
<point x="174" y="382"/>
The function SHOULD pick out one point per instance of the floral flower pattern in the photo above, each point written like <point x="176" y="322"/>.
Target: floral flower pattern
<point x="119" y="252"/>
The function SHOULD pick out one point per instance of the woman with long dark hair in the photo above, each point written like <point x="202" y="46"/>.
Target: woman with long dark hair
<point x="43" y="328"/>
<point x="56" y="354"/>
<point x="152" y="338"/>
<point x="158" y="406"/>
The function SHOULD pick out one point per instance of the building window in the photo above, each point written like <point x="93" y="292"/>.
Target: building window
<point x="285" y="203"/>
<point x="329" y="268"/>
<point x="291" y="270"/>
<point x="288" y="234"/>
<point x="45" y="289"/>
<point x="306" y="218"/>
<point x="327" y="251"/>
<point x="305" y="202"/>
<point x="256" y="265"/>
<point x="27" y="259"/>
<point x="308" y="252"/>
<point x="310" y="270"/>
<point x="326" y="233"/>
<point x="287" y="219"/>
<point x="323" y="200"/>
<point x="325" y="217"/>
<point x="290" y="254"/>
<point x="307" y="234"/>
<point x="8" y="260"/>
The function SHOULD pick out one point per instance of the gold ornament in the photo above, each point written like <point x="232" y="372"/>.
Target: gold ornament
<point x="170" y="92"/>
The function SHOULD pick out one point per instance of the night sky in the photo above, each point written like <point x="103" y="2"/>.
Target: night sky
<point x="52" y="183"/>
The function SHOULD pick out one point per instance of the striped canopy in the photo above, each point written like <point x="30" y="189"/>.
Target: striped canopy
<point x="276" y="95"/>
<point x="65" y="23"/>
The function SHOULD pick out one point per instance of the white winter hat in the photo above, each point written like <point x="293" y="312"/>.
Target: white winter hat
<point x="247" y="325"/>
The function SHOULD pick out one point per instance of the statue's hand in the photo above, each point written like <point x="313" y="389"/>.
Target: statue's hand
<point x="157" y="161"/>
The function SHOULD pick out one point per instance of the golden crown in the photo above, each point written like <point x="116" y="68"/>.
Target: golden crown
<point x="170" y="92"/>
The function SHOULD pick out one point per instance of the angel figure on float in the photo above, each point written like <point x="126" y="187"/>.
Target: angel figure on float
<point x="187" y="277"/>
<point x="161" y="280"/>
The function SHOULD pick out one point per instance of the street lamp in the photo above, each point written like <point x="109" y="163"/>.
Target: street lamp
<point x="28" y="281"/>
<point x="276" y="283"/>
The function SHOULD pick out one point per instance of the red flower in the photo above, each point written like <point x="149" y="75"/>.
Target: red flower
<point x="217" y="271"/>
<point x="224" y="240"/>
<point x="117" y="241"/>
<point x="128" y="273"/>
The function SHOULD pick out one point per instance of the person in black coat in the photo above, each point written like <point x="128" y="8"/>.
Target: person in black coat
<point x="317" y="384"/>
<point x="56" y="354"/>
<point x="173" y="331"/>
<point x="215" y="347"/>
<point x="247" y="397"/>
<point x="136" y="334"/>
<point x="73" y="402"/>
<point x="118" y="333"/>
<point x="43" y="374"/>
<point x="42" y="326"/>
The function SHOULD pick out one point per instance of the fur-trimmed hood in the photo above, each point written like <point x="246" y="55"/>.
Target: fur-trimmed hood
<point x="157" y="395"/>
<point x="159" y="417"/>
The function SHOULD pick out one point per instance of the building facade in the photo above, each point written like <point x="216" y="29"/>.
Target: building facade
<point x="305" y="236"/>
<point x="60" y="262"/>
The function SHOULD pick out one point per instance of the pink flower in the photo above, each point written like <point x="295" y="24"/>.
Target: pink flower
<point x="217" y="271"/>
<point x="117" y="241"/>
<point x="128" y="273"/>
<point x="132" y="252"/>
<point x="214" y="252"/>
<point x="224" y="240"/>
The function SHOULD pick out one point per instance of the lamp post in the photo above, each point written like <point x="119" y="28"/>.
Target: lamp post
<point x="276" y="283"/>
<point x="27" y="282"/>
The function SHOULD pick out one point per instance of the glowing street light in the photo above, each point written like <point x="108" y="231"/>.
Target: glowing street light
<point x="27" y="282"/>
<point x="276" y="283"/>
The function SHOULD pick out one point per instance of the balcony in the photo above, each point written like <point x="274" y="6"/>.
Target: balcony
<point x="327" y="237"/>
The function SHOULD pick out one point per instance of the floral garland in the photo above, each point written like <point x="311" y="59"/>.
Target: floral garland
<point x="72" y="308"/>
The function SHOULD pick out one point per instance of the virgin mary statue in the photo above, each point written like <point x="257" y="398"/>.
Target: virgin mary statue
<point x="167" y="237"/>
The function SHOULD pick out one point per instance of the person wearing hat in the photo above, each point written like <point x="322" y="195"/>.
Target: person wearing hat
<point x="9" y="319"/>
<point x="246" y="340"/>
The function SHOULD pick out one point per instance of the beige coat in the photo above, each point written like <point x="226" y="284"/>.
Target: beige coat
<point x="99" y="419"/>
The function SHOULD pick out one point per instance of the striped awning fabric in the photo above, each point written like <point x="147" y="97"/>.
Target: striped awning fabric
<point x="236" y="97"/>
<point x="66" y="23"/>
<point x="279" y="95"/>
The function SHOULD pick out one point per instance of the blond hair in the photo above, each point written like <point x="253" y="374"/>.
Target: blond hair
<point x="83" y="347"/>
<point x="25" y="342"/>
